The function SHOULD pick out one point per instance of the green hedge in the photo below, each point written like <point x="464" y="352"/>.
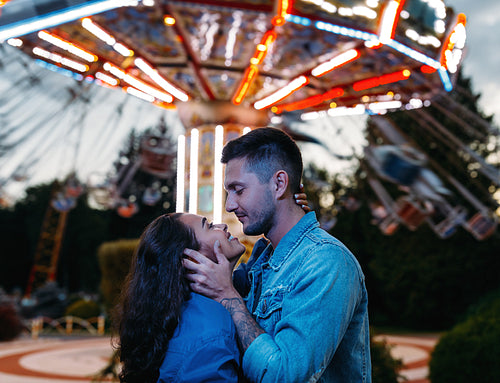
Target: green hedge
<point x="470" y="352"/>
<point x="114" y="262"/>
<point x="84" y="309"/>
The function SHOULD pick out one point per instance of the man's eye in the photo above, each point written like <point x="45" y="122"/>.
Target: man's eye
<point x="211" y="225"/>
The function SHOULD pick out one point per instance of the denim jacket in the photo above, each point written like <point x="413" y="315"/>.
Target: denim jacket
<point x="313" y="307"/>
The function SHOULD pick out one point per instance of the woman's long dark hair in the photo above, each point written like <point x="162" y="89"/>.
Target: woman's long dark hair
<point x="151" y="299"/>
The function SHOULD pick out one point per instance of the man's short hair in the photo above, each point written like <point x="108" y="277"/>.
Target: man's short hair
<point x="267" y="150"/>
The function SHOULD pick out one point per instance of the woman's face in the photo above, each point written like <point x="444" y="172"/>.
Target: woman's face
<point x="208" y="233"/>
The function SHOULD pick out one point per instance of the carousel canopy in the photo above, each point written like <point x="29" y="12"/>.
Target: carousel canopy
<point x="314" y="57"/>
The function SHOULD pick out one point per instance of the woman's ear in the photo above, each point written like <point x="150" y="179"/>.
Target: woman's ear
<point x="280" y="180"/>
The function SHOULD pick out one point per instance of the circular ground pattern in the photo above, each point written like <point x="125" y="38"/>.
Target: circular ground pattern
<point x="74" y="360"/>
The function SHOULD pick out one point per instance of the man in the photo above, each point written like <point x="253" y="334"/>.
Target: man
<point x="303" y="316"/>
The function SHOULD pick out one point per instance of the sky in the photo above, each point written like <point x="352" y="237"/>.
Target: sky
<point x="482" y="58"/>
<point x="80" y="149"/>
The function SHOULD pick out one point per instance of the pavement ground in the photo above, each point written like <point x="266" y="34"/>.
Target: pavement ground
<point x="76" y="359"/>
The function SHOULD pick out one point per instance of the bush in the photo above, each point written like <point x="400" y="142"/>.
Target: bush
<point x="384" y="366"/>
<point x="114" y="261"/>
<point x="471" y="350"/>
<point x="84" y="309"/>
<point x="10" y="323"/>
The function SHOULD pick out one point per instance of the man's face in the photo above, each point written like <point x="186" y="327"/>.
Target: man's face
<point x="248" y="199"/>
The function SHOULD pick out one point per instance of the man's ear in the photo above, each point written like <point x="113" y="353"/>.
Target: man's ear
<point x="280" y="180"/>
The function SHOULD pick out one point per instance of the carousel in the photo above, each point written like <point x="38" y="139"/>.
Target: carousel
<point x="227" y="67"/>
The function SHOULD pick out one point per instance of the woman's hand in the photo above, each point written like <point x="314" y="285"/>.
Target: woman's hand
<point x="301" y="199"/>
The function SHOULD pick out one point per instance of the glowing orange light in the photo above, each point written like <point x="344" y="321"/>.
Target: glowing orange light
<point x="261" y="48"/>
<point x="260" y="53"/>
<point x="456" y="39"/>
<point x="283" y="7"/>
<point x="248" y="77"/>
<point x="427" y="69"/>
<point x="310" y="101"/>
<point x="278" y="21"/>
<point x="164" y="105"/>
<point x="282" y="93"/>
<point x="336" y="62"/>
<point x="375" y="45"/>
<point x="381" y="80"/>
<point x="169" y="20"/>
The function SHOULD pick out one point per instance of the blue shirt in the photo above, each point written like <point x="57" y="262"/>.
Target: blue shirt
<point x="203" y="347"/>
<point x="313" y="307"/>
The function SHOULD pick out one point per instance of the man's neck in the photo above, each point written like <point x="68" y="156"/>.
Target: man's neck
<point x="287" y="216"/>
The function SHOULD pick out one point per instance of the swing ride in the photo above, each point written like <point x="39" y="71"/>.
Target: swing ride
<point x="226" y="66"/>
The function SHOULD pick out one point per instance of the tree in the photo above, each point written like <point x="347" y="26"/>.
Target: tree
<point x="86" y="227"/>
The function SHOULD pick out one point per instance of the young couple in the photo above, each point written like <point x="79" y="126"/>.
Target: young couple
<point x="295" y="312"/>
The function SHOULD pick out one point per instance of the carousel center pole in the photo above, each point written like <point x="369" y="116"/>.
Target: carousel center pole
<point x="200" y="178"/>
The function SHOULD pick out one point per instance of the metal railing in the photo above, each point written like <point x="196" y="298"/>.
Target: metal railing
<point x="66" y="325"/>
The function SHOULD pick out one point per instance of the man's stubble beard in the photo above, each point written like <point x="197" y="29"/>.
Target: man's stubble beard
<point x="264" y="218"/>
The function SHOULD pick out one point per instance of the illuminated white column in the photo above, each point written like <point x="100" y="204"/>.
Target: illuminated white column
<point x="218" y="173"/>
<point x="181" y="173"/>
<point x="193" y="172"/>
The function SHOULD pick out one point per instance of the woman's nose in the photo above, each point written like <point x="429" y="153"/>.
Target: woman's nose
<point x="221" y="226"/>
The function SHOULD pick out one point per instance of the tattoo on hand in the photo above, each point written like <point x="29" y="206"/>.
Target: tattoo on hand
<point x="233" y="305"/>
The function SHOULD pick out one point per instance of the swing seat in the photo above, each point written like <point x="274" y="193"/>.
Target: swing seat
<point x="412" y="213"/>
<point x="151" y="196"/>
<point x="481" y="226"/>
<point x="157" y="156"/>
<point x="445" y="224"/>
<point x="389" y="225"/>
<point x="63" y="203"/>
<point x="127" y="210"/>
<point x="402" y="164"/>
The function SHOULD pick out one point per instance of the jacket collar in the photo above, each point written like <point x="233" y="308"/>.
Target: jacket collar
<point x="292" y="239"/>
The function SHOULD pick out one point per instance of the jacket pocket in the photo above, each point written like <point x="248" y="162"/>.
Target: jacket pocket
<point x="268" y="311"/>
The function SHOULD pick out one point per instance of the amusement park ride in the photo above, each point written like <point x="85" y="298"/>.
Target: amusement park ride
<point x="226" y="66"/>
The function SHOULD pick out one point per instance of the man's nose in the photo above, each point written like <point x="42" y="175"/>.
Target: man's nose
<point x="230" y="203"/>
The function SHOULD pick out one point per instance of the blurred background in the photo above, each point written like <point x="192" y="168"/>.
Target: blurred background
<point x="112" y="113"/>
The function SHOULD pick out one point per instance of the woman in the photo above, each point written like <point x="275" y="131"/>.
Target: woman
<point x="166" y="332"/>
